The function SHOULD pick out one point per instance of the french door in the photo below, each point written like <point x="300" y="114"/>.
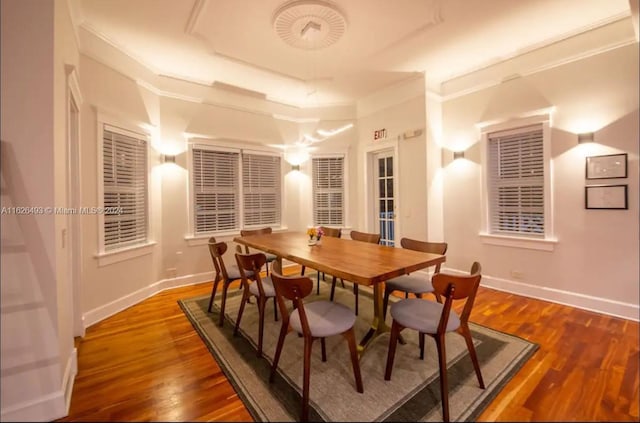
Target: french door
<point x="384" y="198"/>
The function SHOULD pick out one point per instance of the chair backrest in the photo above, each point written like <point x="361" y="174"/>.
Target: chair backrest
<point x="247" y="232"/>
<point x="252" y="263"/>
<point x="276" y="267"/>
<point x="217" y="250"/>
<point x="293" y="288"/>
<point x="332" y="232"/>
<point x="425" y="247"/>
<point x="365" y="237"/>
<point x="457" y="287"/>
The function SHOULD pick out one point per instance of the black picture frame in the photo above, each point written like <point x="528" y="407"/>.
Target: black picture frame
<point x="606" y="197"/>
<point x="609" y="166"/>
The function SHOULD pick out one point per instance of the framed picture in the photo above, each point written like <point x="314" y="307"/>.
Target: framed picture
<point x="605" y="197"/>
<point x="607" y="167"/>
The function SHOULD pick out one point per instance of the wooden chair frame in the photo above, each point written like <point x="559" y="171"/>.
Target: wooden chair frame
<point x="217" y="250"/>
<point x="452" y="287"/>
<point x="295" y="288"/>
<point x="261" y="231"/>
<point x="253" y="262"/>
<point x="426" y="247"/>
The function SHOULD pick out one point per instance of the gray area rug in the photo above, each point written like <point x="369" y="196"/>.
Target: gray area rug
<point x="412" y="394"/>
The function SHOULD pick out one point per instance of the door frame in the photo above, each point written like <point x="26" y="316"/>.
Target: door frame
<point x="370" y="152"/>
<point x="74" y="201"/>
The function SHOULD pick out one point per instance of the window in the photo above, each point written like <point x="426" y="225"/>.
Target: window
<point x="261" y="189"/>
<point x="516" y="182"/>
<point x="226" y="181"/>
<point x="328" y="190"/>
<point x="124" y="166"/>
<point x="216" y="190"/>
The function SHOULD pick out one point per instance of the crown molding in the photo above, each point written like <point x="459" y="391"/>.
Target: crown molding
<point x="76" y="20"/>
<point x="167" y="94"/>
<point x="495" y="76"/>
<point x="102" y="37"/>
<point x="196" y="13"/>
<point x="542" y="44"/>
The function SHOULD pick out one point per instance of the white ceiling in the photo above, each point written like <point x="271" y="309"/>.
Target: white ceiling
<point x="234" y="42"/>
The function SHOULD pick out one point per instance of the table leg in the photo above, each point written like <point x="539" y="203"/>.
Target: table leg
<point x="378" y="325"/>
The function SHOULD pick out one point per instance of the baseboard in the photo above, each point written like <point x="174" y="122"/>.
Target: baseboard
<point x="597" y="304"/>
<point x="70" y="372"/>
<point x="44" y="409"/>
<point x="48" y="407"/>
<point x="100" y="313"/>
<point x="574" y="299"/>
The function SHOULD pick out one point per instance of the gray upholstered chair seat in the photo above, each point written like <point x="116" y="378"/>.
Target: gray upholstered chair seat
<point x="415" y="284"/>
<point x="270" y="257"/>
<point x="267" y="285"/>
<point x="325" y="318"/>
<point x="422" y="315"/>
<point x="234" y="272"/>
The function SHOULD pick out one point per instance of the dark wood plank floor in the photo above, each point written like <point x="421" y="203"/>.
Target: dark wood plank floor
<point x="147" y="363"/>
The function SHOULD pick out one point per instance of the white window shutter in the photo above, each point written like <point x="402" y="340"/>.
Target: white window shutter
<point x="516" y="182"/>
<point x="125" y="189"/>
<point x="216" y="190"/>
<point x="328" y="190"/>
<point x="261" y="175"/>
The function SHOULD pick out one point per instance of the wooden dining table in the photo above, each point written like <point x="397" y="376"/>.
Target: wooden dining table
<point x="359" y="262"/>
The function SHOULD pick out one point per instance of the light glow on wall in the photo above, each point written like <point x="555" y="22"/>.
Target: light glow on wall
<point x="296" y="156"/>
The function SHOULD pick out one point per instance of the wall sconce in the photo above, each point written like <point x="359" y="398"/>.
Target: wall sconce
<point x="168" y="158"/>
<point x="458" y="155"/>
<point x="295" y="167"/>
<point x="586" y="137"/>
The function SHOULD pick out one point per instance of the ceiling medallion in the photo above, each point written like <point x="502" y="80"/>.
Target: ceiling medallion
<point x="309" y="24"/>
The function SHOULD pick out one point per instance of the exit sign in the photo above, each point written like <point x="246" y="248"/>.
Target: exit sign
<point x="379" y="134"/>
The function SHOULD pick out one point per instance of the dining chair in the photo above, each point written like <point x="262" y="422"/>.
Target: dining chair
<point x="262" y="231"/>
<point x="331" y="232"/>
<point x="224" y="274"/>
<point x="261" y="288"/>
<point x="416" y="283"/>
<point x="312" y="320"/>
<point x="436" y="320"/>
<point x="363" y="237"/>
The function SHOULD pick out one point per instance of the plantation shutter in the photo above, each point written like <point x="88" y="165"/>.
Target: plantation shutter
<point x="125" y="188"/>
<point x="516" y="181"/>
<point x="328" y="190"/>
<point x="261" y="189"/>
<point x="216" y="190"/>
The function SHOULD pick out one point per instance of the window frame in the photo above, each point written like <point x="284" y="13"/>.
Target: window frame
<point x="194" y="238"/>
<point x="113" y="255"/>
<point x="279" y="192"/>
<point x="547" y="241"/>
<point x="345" y="186"/>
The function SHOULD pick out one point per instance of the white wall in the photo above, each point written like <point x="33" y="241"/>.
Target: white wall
<point x="595" y="262"/>
<point x="207" y="114"/>
<point x="66" y="58"/>
<point x="119" y="101"/>
<point x="397" y="110"/>
<point x="37" y="342"/>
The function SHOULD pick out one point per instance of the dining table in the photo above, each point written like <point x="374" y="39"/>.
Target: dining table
<point x="359" y="262"/>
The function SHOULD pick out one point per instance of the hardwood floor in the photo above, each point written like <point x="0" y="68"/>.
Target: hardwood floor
<point x="147" y="363"/>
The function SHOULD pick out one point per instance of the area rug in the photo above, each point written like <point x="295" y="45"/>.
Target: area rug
<point x="412" y="394"/>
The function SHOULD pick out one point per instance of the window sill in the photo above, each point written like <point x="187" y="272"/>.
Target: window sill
<point x="122" y="254"/>
<point x="519" y="242"/>
<point x="196" y="240"/>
